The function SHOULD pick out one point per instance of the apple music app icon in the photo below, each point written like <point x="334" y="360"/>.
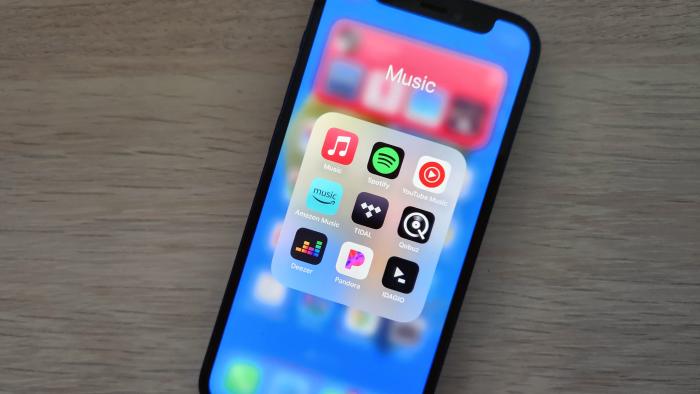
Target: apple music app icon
<point x="339" y="146"/>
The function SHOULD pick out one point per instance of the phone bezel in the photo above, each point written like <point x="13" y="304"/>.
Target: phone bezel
<point x="484" y="213"/>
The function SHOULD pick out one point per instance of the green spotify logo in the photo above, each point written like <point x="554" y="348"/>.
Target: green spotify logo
<point x="385" y="160"/>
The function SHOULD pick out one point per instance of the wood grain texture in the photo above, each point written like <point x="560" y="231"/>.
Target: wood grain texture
<point x="132" y="134"/>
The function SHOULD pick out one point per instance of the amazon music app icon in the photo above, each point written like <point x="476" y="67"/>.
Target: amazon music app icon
<point x="324" y="196"/>
<point x="339" y="146"/>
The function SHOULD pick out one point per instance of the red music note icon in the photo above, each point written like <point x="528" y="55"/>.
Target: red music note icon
<point x="339" y="146"/>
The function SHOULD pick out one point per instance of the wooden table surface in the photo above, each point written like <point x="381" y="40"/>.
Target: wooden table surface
<point x="132" y="135"/>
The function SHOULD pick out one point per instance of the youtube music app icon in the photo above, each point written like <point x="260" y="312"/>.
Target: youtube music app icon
<point x="432" y="174"/>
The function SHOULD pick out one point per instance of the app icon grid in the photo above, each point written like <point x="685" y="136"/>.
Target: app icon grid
<point x="371" y="220"/>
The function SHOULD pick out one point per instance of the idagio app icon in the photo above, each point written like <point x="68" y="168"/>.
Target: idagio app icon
<point x="400" y="275"/>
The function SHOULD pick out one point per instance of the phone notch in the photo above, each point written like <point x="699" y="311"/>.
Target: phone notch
<point x="466" y="14"/>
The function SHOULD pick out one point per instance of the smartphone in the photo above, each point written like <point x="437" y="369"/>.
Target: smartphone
<point x="374" y="198"/>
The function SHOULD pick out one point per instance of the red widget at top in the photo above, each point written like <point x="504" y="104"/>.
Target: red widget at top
<point x="406" y="84"/>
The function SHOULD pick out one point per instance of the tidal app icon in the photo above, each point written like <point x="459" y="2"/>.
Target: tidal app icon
<point x="385" y="160"/>
<point x="354" y="260"/>
<point x="370" y="210"/>
<point x="324" y="196"/>
<point x="308" y="246"/>
<point x="400" y="275"/>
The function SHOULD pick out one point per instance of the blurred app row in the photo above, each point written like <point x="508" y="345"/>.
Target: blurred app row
<point x="316" y="313"/>
<point x="247" y="376"/>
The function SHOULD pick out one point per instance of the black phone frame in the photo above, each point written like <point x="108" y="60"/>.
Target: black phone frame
<point x="469" y="15"/>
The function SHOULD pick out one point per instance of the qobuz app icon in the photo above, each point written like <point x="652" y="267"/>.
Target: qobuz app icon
<point x="416" y="225"/>
<point x="308" y="246"/>
<point x="370" y="210"/>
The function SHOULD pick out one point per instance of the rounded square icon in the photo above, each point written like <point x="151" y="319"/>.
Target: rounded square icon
<point x="400" y="275"/>
<point x="339" y="146"/>
<point x="268" y="290"/>
<point x="344" y="79"/>
<point x="360" y="322"/>
<point x="308" y="246"/>
<point x="243" y="377"/>
<point x="427" y="108"/>
<point x="313" y="312"/>
<point x="354" y="260"/>
<point x="370" y="210"/>
<point x="385" y="160"/>
<point x="416" y="225"/>
<point x="432" y="174"/>
<point x="287" y="382"/>
<point x="407" y="334"/>
<point x="324" y="196"/>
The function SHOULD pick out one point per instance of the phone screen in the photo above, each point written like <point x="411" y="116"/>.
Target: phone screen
<point x="384" y="166"/>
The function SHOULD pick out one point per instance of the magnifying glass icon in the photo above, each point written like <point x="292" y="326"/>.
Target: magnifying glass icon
<point x="416" y="225"/>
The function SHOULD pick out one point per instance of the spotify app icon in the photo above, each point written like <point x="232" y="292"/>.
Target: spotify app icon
<point x="385" y="160"/>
